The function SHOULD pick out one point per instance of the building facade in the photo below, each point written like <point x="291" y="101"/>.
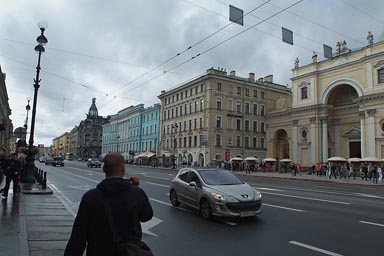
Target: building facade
<point x="133" y="131"/>
<point x="217" y="116"/>
<point x="61" y="144"/>
<point x="6" y="127"/>
<point x="90" y="133"/>
<point x="336" y="108"/>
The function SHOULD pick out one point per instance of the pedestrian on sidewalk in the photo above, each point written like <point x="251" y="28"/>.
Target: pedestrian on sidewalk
<point x="364" y="169"/>
<point x="380" y="172"/>
<point x="374" y="174"/>
<point x="129" y="206"/>
<point x="3" y="168"/>
<point x="333" y="171"/>
<point x="299" y="167"/>
<point x="11" y="174"/>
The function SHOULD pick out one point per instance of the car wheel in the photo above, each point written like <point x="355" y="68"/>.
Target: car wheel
<point x="173" y="198"/>
<point x="205" y="209"/>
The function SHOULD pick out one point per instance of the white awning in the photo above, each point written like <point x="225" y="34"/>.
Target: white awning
<point x="149" y="155"/>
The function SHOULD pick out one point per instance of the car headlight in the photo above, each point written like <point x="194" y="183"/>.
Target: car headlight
<point x="219" y="197"/>
<point x="258" y="194"/>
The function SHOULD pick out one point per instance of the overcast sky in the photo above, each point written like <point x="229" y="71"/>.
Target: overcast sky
<point x="113" y="50"/>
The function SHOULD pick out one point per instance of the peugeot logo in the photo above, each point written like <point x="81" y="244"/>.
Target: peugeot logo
<point x="244" y="196"/>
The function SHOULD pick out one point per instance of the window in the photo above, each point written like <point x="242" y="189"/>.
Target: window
<point x="247" y="125"/>
<point x="246" y="108"/>
<point x="255" y="109"/>
<point x="246" y="142"/>
<point x="238" y="106"/>
<point x="254" y="142"/>
<point x="262" y="127"/>
<point x="189" y="141"/>
<point x="218" y="103"/>
<point x="255" y="93"/>
<point x="201" y="88"/>
<point x="246" y="92"/>
<point x="177" y="97"/>
<point x="238" y="124"/>
<point x="262" y="112"/>
<point x="185" y="109"/>
<point x="190" y="107"/>
<point x="191" y="93"/>
<point x="262" y="143"/>
<point x="185" y="142"/>
<point x="380" y="75"/>
<point x="195" y="141"/>
<point x="304" y="92"/>
<point x="190" y="125"/>
<point x="196" y="90"/>
<point x="181" y="110"/>
<point x="218" y="122"/>
<point x="196" y="105"/>
<point x="262" y="95"/>
<point x="239" y="90"/>
<point x="195" y="124"/>
<point x="230" y="105"/>
<point x="255" y="126"/>
<point x="238" y="141"/>
<point x="185" y="125"/>
<point x="230" y="140"/>
<point x="219" y="86"/>
<point x="181" y="95"/>
<point x="201" y="104"/>
<point x="201" y="122"/>
<point x="218" y="140"/>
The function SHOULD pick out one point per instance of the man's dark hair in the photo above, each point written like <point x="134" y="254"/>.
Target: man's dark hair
<point x="113" y="163"/>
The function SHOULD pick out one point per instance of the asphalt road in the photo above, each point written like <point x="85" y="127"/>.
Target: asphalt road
<point x="299" y="217"/>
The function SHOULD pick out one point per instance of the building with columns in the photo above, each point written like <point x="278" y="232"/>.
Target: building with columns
<point x="336" y="108"/>
<point x="6" y="127"/>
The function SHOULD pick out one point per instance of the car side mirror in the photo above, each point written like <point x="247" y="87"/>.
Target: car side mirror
<point x="193" y="184"/>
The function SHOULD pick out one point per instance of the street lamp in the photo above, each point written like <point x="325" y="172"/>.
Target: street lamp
<point x="174" y="129"/>
<point x="39" y="48"/>
<point x="118" y="142"/>
<point x="28" y="108"/>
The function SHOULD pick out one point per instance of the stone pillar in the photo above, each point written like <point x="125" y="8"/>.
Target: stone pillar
<point x="336" y="123"/>
<point x="371" y="141"/>
<point x="294" y="140"/>
<point x="313" y="139"/>
<point x="362" y="134"/>
<point x="324" y="144"/>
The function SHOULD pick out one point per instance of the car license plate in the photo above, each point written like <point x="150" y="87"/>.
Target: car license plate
<point x="247" y="214"/>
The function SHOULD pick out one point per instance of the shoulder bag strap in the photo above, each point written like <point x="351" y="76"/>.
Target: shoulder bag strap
<point x="111" y="222"/>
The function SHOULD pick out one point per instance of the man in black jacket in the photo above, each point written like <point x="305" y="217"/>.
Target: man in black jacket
<point x="11" y="174"/>
<point x="129" y="204"/>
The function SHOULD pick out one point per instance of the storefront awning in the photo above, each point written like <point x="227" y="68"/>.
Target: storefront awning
<point x="149" y="155"/>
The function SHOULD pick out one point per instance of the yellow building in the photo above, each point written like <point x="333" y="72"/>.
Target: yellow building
<point x="336" y="108"/>
<point x="217" y="116"/>
<point x="61" y="144"/>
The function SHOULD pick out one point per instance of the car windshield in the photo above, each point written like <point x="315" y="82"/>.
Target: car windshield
<point x="219" y="177"/>
<point x="58" y="158"/>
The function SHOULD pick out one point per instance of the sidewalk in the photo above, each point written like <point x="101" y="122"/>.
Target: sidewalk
<point x="34" y="223"/>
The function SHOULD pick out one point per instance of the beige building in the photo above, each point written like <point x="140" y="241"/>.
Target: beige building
<point x="61" y="145"/>
<point x="336" y="108"/>
<point x="216" y="117"/>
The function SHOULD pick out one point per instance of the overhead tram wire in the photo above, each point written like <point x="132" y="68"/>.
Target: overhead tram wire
<point x="363" y="12"/>
<point x="213" y="47"/>
<point x="52" y="74"/>
<point x="180" y="53"/>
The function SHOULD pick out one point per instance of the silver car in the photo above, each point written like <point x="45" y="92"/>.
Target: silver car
<point x="215" y="192"/>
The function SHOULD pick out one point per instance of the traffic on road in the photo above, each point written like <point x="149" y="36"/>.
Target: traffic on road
<point x="298" y="218"/>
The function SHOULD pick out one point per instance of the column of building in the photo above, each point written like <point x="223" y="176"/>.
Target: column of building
<point x="371" y="149"/>
<point x="294" y="139"/>
<point x="324" y="127"/>
<point x="362" y="133"/>
<point x="313" y="139"/>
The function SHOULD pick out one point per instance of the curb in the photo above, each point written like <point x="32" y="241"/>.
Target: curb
<point x="23" y="238"/>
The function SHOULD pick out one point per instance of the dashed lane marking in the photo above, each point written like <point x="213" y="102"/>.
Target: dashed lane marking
<point x="157" y="184"/>
<point x="310" y="247"/>
<point x="307" y="198"/>
<point x="372" y="223"/>
<point x="282" y="207"/>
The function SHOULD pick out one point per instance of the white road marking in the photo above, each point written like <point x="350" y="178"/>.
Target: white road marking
<point x="146" y="226"/>
<point x="68" y="204"/>
<point x="306" y="198"/>
<point x="270" y="189"/>
<point x="157" y="184"/>
<point x="165" y="203"/>
<point x="285" y="208"/>
<point x="370" y="196"/>
<point x="371" y="223"/>
<point x="159" y="178"/>
<point x="310" y="247"/>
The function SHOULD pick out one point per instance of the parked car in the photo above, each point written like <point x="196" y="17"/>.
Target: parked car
<point x="94" y="162"/>
<point x="42" y="159"/>
<point x="215" y="192"/>
<point x="57" y="160"/>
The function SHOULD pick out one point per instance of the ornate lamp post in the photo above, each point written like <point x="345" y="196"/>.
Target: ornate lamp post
<point x="174" y="129"/>
<point x="118" y="142"/>
<point x="28" y="108"/>
<point x="41" y="40"/>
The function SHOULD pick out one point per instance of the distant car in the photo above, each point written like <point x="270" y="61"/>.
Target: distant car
<point x="215" y="192"/>
<point x="42" y="159"/>
<point x="57" y="160"/>
<point x="94" y="162"/>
